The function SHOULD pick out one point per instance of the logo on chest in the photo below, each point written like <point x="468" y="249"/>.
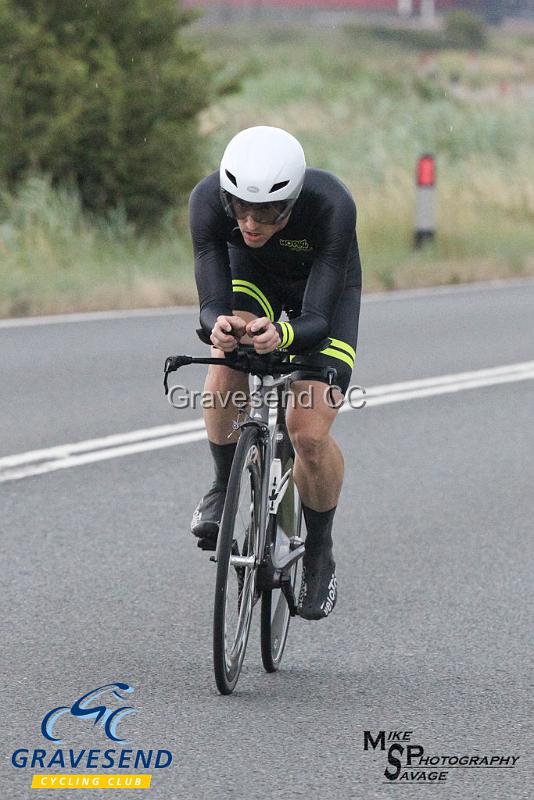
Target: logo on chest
<point x="297" y="245"/>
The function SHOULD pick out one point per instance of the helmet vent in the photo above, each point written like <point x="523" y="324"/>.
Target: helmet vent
<point x="232" y="177"/>
<point x="276" y="186"/>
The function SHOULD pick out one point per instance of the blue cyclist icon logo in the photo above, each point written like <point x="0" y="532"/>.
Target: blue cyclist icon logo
<point x="107" y="716"/>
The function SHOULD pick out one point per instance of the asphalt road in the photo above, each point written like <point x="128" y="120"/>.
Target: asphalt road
<point x="433" y="632"/>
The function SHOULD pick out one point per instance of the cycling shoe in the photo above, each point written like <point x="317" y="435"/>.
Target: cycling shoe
<point x="207" y="517"/>
<point x="318" y="590"/>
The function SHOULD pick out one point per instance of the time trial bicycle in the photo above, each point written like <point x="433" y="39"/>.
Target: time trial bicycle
<point x="259" y="543"/>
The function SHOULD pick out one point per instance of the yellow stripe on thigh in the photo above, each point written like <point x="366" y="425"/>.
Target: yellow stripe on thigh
<point x="343" y="346"/>
<point x="329" y="351"/>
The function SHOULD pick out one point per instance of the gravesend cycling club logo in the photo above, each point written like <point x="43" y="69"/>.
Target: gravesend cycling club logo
<point x="104" y="709"/>
<point x="409" y="763"/>
<point x="108" y="718"/>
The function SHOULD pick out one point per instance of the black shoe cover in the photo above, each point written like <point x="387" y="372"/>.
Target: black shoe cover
<point x="207" y="516"/>
<point x="318" y="590"/>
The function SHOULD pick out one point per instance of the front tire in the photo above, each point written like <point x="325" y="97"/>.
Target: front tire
<point x="237" y="561"/>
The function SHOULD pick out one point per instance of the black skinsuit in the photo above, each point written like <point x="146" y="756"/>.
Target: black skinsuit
<point x="310" y="269"/>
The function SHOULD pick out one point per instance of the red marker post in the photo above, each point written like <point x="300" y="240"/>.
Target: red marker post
<point x="425" y="201"/>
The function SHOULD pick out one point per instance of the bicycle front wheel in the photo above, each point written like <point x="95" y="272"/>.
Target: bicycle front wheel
<point x="237" y="561"/>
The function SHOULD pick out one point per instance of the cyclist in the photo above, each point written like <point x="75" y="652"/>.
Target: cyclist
<point x="271" y="235"/>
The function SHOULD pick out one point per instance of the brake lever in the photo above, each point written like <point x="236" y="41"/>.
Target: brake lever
<point x="172" y="363"/>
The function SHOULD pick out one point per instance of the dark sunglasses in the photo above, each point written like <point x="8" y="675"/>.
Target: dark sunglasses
<point x="263" y="213"/>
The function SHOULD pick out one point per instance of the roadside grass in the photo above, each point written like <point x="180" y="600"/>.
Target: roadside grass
<point x="366" y="110"/>
<point x="56" y="258"/>
<point x="363" y="108"/>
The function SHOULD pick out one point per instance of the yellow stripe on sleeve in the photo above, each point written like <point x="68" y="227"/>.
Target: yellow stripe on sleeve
<point x="288" y="334"/>
<point x="239" y="285"/>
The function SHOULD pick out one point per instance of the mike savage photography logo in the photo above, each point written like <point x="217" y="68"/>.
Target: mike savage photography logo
<point x="104" y="709"/>
<point x="408" y="762"/>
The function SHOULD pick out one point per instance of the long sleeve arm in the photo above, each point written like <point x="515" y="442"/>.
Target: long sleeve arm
<point x="327" y="278"/>
<point x="212" y="269"/>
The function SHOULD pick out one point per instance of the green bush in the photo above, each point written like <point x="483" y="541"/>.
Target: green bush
<point x="409" y="38"/>
<point x="103" y="96"/>
<point x="465" y="29"/>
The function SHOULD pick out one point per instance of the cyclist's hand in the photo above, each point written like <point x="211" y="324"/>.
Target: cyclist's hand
<point x="266" y="341"/>
<point x="226" y="332"/>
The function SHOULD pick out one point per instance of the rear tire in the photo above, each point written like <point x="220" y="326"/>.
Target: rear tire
<point x="235" y="584"/>
<point x="275" y="616"/>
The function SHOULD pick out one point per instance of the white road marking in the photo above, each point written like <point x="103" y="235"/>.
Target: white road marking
<point x="96" y="316"/>
<point x="101" y="455"/>
<point x="51" y="459"/>
<point x="372" y="297"/>
<point x="103" y="443"/>
<point x="432" y="391"/>
<point x="457" y="288"/>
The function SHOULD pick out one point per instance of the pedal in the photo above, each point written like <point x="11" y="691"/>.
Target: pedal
<point x="295" y="542"/>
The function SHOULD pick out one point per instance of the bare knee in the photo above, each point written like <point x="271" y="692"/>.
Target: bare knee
<point x="309" y="445"/>
<point x="224" y="379"/>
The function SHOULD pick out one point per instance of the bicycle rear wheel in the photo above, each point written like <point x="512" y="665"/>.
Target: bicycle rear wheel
<point x="275" y="614"/>
<point x="237" y="561"/>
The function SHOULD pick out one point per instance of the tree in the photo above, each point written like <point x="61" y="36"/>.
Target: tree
<point x="104" y="95"/>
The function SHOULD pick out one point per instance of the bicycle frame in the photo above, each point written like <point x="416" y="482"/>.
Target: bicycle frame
<point x="244" y="359"/>
<point x="274" y="484"/>
<point x="257" y="549"/>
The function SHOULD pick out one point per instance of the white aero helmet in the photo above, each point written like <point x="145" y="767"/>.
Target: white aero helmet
<point x="262" y="165"/>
